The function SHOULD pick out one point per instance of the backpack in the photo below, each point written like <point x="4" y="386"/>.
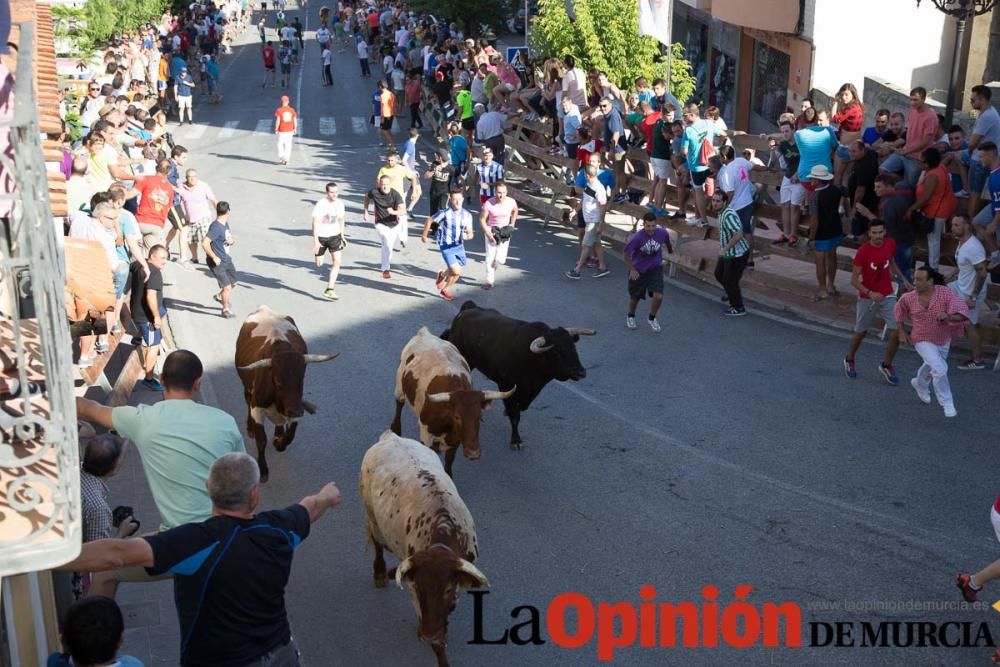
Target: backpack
<point x="706" y="151"/>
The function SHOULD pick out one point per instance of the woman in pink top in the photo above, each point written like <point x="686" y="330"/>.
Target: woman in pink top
<point x="934" y="311"/>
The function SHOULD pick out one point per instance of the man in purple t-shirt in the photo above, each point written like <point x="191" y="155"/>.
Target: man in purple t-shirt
<point x="644" y="260"/>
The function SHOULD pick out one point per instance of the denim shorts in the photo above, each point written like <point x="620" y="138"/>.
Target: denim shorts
<point x="120" y="279"/>
<point x="843" y="153"/>
<point x="454" y="254"/>
<point x="826" y="245"/>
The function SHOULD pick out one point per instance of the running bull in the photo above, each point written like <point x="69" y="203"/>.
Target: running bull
<point x="413" y="510"/>
<point x="517" y="355"/>
<point x="271" y="359"/>
<point x="437" y="383"/>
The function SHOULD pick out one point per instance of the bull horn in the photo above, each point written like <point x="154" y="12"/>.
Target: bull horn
<point x="401" y="571"/>
<point x="577" y="331"/>
<point x="443" y="397"/>
<point x="468" y="568"/>
<point x="538" y="345"/>
<point x="498" y="395"/>
<point x="263" y="363"/>
<point x="319" y="358"/>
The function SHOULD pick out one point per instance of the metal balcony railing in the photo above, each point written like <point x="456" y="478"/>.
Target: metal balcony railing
<point x="39" y="455"/>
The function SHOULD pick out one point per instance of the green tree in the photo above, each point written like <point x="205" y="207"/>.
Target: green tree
<point x="469" y="14"/>
<point x="605" y="35"/>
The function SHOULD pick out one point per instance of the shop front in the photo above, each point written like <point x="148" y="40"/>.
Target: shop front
<point x="713" y="48"/>
<point x="777" y="67"/>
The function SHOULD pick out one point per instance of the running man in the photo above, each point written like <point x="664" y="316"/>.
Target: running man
<point x="388" y="207"/>
<point x="398" y="174"/>
<point x="487" y="174"/>
<point x="285" y="124"/>
<point x="498" y="221"/>
<point x="216" y="245"/>
<point x="454" y="228"/>
<point x="328" y="234"/>
<point x="285" y="60"/>
<point x="268" y="55"/>
<point x="593" y="209"/>
<point x="643" y="257"/>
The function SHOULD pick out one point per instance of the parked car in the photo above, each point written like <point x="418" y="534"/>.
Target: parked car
<point x="521" y="17"/>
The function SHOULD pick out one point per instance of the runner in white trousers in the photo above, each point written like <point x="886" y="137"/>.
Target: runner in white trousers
<point x="498" y="220"/>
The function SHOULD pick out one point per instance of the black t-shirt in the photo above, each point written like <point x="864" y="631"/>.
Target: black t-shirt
<point x="824" y="205"/>
<point x="441" y="177"/>
<point x="229" y="583"/>
<point x="383" y="202"/>
<point x="863" y="176"/>
<point x="893" y="209"/>
<point x="790" y="152"/>
<point x="442" y="90"/>
<point x="137" y="304"/>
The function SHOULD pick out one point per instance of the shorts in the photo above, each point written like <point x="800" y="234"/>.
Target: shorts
<point x="698" y="178"/>
<point x="386" y="123"/>
<point x="661" y="167"/>
<point x="119" y="277"/>
<point x="792" y="192"/>
<point x="985" y="217"/>
<point x="649" y="282"/>
<point x="580" y="224"/>
<point x="225" y="273"/>
<point x="161" y="85"/>
<point x="826" y="245"/>
<point x="977" y="172"/>
<point x="865" y="311"/>
<point x="286" y="68"/>
<point x="469" y="123"/>
<point x="269" y="68"/>
<point x="591" y="236"/>
<point x="746" y="218"/>
<point x="331" y="243"/>
<point x="196" y="230"/>
<point x="151" y="234"/>
<point x="453" y="254"/>
<point x="975" y="310"/>
<point x="183" y="101"/>
<point x="149" y="334"/>
<point x="509" y="87"/>
<point x="176" y="216"/>
<point x="843" y="153"/>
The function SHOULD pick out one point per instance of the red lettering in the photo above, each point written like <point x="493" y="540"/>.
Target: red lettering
<point x="792" y="614"/>
<point x="710" y="617"/>
<point x="688" y="613"/>
<point x="555" y="620"/>
<point x="647" y="617"/>
<point x="607" y="641"/>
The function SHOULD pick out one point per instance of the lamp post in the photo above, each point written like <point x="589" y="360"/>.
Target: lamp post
<point x="962" y="10"/>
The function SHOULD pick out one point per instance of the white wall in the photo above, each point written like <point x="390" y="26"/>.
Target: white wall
<point x="891" y="40"/>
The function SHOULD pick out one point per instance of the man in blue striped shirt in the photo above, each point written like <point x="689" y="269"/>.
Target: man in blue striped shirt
<point x="488" y="174"/>
<point x="453" y="227"/>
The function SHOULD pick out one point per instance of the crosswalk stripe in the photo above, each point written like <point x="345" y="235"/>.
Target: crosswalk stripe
<point x="327" y="126"/>
<point x="196" y="131"/>
<point x="359" y="124"/>
<point x="264" y="126"/>
<point x="229" y="129"/>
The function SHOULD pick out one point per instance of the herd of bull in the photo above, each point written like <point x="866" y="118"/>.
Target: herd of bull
<point x="412" y="507"/>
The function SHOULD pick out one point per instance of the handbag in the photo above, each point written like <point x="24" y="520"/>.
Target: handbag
<point x="501" y="234"/>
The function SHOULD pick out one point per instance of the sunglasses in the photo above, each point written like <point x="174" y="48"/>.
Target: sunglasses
<point x="95" y="90"/>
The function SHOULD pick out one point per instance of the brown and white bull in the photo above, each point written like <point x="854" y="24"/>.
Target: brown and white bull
<point x="437" y="383"/>
<point x="271" y="359"/>
<point x="413" y="510"/>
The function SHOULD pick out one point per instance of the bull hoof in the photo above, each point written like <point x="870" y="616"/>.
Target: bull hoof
<point x="380" y="581"/>
<point x="263" y="476"/>
<point x="516" y="445"/>
<point x="279" y="445"/>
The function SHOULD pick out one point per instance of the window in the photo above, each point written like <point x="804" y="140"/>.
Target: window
<point x="769" y="92"/>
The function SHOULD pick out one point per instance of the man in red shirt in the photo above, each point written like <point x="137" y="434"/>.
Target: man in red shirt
<point x="157" y="196"/>
<point x="874" y="267"/>
<point x="285" y="123"/>
<point x="269" y="57"/>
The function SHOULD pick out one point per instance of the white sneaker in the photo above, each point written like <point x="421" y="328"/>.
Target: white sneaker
<point x="950" y="411"/>
<point x="701" y="224"/>
<point x="692" y="222"/>
<point x="961" y="193"/>
<point x="629" y="322"/>
<point x="654" y="325"/>
<point x="923" y="394"/>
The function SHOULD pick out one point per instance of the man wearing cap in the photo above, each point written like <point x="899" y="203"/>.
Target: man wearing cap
<point x="285" y="123"/>
<point x="183" y="93"/>
<point x="489" y="131"/>
<point x="825" y="228"/>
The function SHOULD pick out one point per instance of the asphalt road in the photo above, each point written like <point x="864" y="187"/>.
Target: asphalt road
<point x="719" y="452"/>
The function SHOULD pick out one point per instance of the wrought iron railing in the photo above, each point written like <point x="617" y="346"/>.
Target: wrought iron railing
<point x="39" y="456"/>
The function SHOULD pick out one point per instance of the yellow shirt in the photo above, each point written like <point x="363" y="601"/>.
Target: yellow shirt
<point x="398" y="175"/>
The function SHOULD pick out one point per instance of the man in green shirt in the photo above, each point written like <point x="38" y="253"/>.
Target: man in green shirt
<point x="659" y="154"/>
<point x="467" y="115"/>
<point x="733" y="252"/>
<point x="178" y="440"/>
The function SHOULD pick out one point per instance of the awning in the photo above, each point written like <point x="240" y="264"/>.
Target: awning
<point x="773" y="15"/>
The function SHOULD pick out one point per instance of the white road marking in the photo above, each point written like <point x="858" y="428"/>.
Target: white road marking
<point x="196" y="131"/>
<point x="359" y="124"/>
<point x="264" y="126"/>
<point x="327" y="126"/>
<point x="229" y="129"/>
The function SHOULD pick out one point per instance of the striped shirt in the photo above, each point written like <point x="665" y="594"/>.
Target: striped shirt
<point x="451" y="224"/>
<point x="926" y="327"/>
<point x="729" y="226"/>
<point x="489" y="175"/>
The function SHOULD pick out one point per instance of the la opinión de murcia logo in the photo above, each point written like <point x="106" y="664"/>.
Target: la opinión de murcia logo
<point x="574" y="621"/>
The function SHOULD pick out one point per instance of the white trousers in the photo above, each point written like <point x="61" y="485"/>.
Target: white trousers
<point x="401" y="227"/>
<point x="496" y="253"/>
<point x="935" y="371"/>
<point x="285" y="145"/>
<point x="388" y="236"/>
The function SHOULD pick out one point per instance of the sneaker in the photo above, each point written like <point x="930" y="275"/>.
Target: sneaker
<point x="964" y="583"/>
<point x="950" y="411"/>
<point x="849" y="369"/>
<point x="386" y="275"/>
<point x="446" y="295"/>
<point x="888" y="373"/>
<point x="971" y="365"/>
<point x="330" y="294"/>
<point x="690" y="222"/>
<point x="488" y="286"/>
<point x="701" y="224"/>
<point x="85" y="362"/>
<point x="228" y="314"/>
<point x="619" y="198"/>
<point x="217" y="297"/>
<point x="923" y="394"/>
<point x="782" y="240"/>
<point x="116" y="329"/>
<point x="101" y="347"/>
<point x="751" y="266"/>
<point x="629" y="322"/>
<point x="153" y="385"/>
<point x="573" y="274"/>
<point x="654" y="325"/>
<point x="961" y="193"/>
<point x="678" y="215"/>
<point x="440" y="281"/>
<point x="736" y="312"/>
<point x="600" y="273"/>
<point x="724" y="298"/>
<point x="136" y="341"/>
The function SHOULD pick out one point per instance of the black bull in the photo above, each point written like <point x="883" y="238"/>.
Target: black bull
<point x="516" y="354"/>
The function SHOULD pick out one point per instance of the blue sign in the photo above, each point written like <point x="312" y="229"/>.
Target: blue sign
<point x="512" y="52"/>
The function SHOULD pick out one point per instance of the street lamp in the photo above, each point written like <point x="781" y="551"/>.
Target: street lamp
<point x="961" y="10"/>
